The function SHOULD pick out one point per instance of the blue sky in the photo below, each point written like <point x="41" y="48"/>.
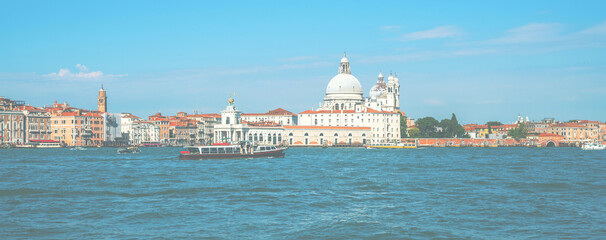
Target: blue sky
<point x="481" y="60"/>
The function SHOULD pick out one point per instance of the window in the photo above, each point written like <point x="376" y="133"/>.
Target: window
<point x="213" y="150"/>
<point x="221" y="150"/>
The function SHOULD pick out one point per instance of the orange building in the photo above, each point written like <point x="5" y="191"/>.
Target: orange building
<point x="574" y="133"/>
<point x="75" y="128"/>
<point x="164" y="124"/>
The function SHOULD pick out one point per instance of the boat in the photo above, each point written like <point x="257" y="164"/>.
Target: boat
<point x="27" y="145"/>
<point x="226" y="151"/>
<point x="593" y="146"/>
<point x="78" y="148"/>
<point x="392" y="145"/>
<point x="129" y="150"/>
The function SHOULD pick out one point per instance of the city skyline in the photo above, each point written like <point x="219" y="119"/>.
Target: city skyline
<point x="545" y="62"/>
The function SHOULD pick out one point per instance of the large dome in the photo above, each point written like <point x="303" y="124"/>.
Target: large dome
<point x="344" y="83"/>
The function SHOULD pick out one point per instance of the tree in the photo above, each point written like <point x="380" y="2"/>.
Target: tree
<point x="428" y="127"/>
<point x="518" y="132"/>
<point x="403" y="127"/>
<point x="492" y="123"/>
<point x="414" y="132"/>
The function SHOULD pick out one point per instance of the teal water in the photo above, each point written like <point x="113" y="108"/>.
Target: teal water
<point x="468" y="193"/>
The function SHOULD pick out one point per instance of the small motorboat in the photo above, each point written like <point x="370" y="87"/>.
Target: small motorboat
<point x="593" y="146"/>
<point x="129" y="150"/>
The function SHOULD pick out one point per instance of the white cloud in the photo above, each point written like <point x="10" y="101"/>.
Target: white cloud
<point x="84" y="73"/>
<point x="599" y="29"/>
<point x="531" y="33"/>
<point x="447" y="31"/>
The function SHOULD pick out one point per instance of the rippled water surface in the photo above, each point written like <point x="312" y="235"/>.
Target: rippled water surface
<point x="470" y="193"/>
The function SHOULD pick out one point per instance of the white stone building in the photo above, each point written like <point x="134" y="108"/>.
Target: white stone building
<point x="345" y="106"/>
<point x="144" y="132"/>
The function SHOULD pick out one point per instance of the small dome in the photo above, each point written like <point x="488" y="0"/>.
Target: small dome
<point x="390" y="78"/>
<point x="377" y="90"/>
<point x="380" y="75"/>
<point x="344" y="59"/>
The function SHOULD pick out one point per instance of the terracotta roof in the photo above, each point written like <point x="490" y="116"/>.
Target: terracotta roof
<point x="549" y="135"/>
<point x="208" y="115"/>
<point x="277" y="111"/>
<point x="327" y="127"/>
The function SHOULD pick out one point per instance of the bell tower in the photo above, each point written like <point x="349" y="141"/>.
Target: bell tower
<point x="102" y="100"/>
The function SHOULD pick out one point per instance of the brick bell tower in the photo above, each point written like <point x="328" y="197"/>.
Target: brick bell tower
<point x="102" y="100"/>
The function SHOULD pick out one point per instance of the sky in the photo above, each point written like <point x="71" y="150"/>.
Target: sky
<point x="482" y="60"/>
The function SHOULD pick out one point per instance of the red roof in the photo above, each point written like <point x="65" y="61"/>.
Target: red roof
<point x="208" y="115"/>
<point x="277" y="111"/>
<point x="549" y="135"/>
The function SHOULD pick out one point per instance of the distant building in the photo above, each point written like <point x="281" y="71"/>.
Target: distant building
<point x="345" y="106"/>
<point x="279" y="116"/>
<point x="575" y="133"/>
<point x="12" y="127"/>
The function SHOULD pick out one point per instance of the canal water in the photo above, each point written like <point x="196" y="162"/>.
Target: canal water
<point x="312" y="193"/>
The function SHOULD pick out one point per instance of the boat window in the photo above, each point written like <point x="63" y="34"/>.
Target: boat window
<point x="237" y="150"/>
<point x="213" y="150"/>
<point x="273" y="148"/>
<point x="205" y="150"/>
<point x="221" y="150"/>
<point x="193" y="150"/>
<point x="229" y="150"/>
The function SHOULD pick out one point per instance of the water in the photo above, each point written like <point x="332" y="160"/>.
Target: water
<point x="468" y="193"/>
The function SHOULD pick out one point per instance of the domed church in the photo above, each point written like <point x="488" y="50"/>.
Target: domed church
<point x="345" y="107"/>
<point x="344" y="92"/>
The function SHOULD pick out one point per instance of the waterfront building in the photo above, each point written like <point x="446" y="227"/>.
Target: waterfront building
<point x="183" y="131"/>
<point x="574" y="133"/>
<point x="345" y="106"/>
<point x="164" y="124"/>
<point x="278" y="116"/>
<point x="112" y="134"/>
<point x="206" y="123"/>
<point x="231" y="128"/>
<point x="476" y="130"/>
<point x="326" y="135"/>
<point x="12" y="127"/>
<point x="144" y="132"/>
<point x="265" y="133"/>
<point x="37" y="124"/>
<point x="126" y="124"/>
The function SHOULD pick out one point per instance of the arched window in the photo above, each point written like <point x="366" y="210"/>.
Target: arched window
<point x="260" y="137"/>
<point x="290" y="134"/>
<point x="336" y="134"/>
<point x="280" y="138"/>
<point x="256" y="137"/>
<point x="349" y="135"/>
<point x="321" y="134"/>
<point x="306" y="134"/>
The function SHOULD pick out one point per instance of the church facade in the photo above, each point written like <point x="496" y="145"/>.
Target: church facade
<point x="345" y="106"/>
<point x="345" y="118"/>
